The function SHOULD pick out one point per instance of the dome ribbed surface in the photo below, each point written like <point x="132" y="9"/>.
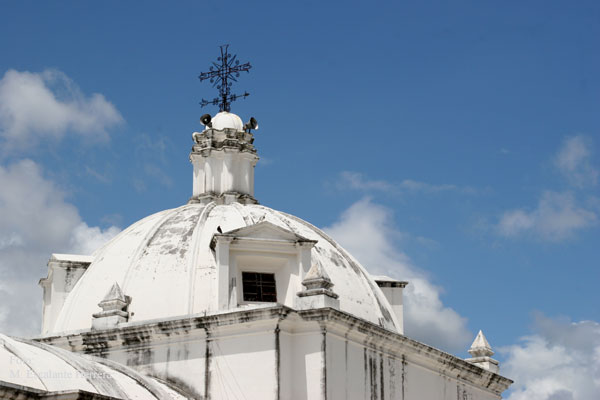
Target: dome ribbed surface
<point x="165" y="263"/>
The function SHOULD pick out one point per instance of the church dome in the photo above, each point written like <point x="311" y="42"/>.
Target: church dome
<point x="166" y="264"/>
<point x="228" y="120"/>
<point x="220" y="252"/>
<point x="39" y="368"/>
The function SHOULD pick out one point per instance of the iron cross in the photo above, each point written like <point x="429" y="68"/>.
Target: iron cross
<point x="221" y="75"/>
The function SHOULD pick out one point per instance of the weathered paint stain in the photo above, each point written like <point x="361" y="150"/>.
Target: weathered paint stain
<point x="277" y="363"/>
<point x="403" y="375"/>
<point x="180" y="386"/>
<point x="180" y="225"/>
<point x="139" y="357"/>
<point x="373" y="374"/>
<point x="381" y="376"/>
<point x="138" y="338"/>
<point x="366" y="371"/>
<point x="207" y="373"/>
<point x="105" y="342"/>
<point x="461" y="392"/>
<point x="392" y="370"/>
<point x="324" y="364"/>
<point x="70" y="278"/>
<point x="346" y="364"/>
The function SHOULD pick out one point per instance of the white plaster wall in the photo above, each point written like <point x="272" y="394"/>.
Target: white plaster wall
<point x="56" y="289"/>
<point x="358" y="372"/>
<point x="236" y="368"/>
<point x="306" y="365"/>
<point x="422" y="383"/>
<point x="198" y="178"/>
<point x="178" y="363"/>
<point x="287" y="374"/>
<point x="394" y="297"/>
<point x="354" y="363"/>
<point x="243" y="367"/>
<point x="254" y="360"/>
<point x="223" y="171"/>
<point x="337" y="384"/>
<point x="418" y="381"/>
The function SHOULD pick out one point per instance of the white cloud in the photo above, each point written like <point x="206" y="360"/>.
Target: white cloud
<point x="556" y="217"/>
<point x="87" y="239"/>
<point x="415" y="186"/>
<point x="358" y="181"/>
<point x="35" y="221"/>
<point x="560" y="361"/>
<point x="574" y="161"/>
<point x="366" y="231"/>
<point x="36" y="106"/>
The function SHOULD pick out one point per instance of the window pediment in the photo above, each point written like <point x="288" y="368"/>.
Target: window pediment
<point x="262" y="232"/>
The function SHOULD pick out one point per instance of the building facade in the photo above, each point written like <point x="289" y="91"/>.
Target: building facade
<point x="224" y="298"/>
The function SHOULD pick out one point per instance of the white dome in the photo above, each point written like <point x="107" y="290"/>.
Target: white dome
<point x="226" y="119"/>
<point x="166" y="264"/>
<point x="38" y="366"/>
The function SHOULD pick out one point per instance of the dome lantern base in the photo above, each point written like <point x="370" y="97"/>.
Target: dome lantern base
<point x="223" y="199"/>
<point x="224" y="161"/>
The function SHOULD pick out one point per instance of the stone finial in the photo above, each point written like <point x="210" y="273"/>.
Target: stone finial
<point x="482" y="353"/>
<point x="316" y="282"/>
<point x="114" y="309"/>
<point x="318" y="293"/>
<point x="481" y="347"/>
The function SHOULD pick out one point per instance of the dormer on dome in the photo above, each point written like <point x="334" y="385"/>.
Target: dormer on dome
<point x="260" y="263"/>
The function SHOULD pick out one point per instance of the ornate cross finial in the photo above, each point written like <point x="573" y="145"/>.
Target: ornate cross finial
<point x="221" y="75"/>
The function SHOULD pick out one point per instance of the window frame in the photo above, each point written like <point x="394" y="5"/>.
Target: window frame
<point x="260" y="285"/>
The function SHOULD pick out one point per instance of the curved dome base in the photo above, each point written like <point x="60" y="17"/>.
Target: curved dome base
<point x="224" y="198"/>
<point x="168" y="256"/>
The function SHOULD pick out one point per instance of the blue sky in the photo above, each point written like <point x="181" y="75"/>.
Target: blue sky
<point x="464" y="134"/>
